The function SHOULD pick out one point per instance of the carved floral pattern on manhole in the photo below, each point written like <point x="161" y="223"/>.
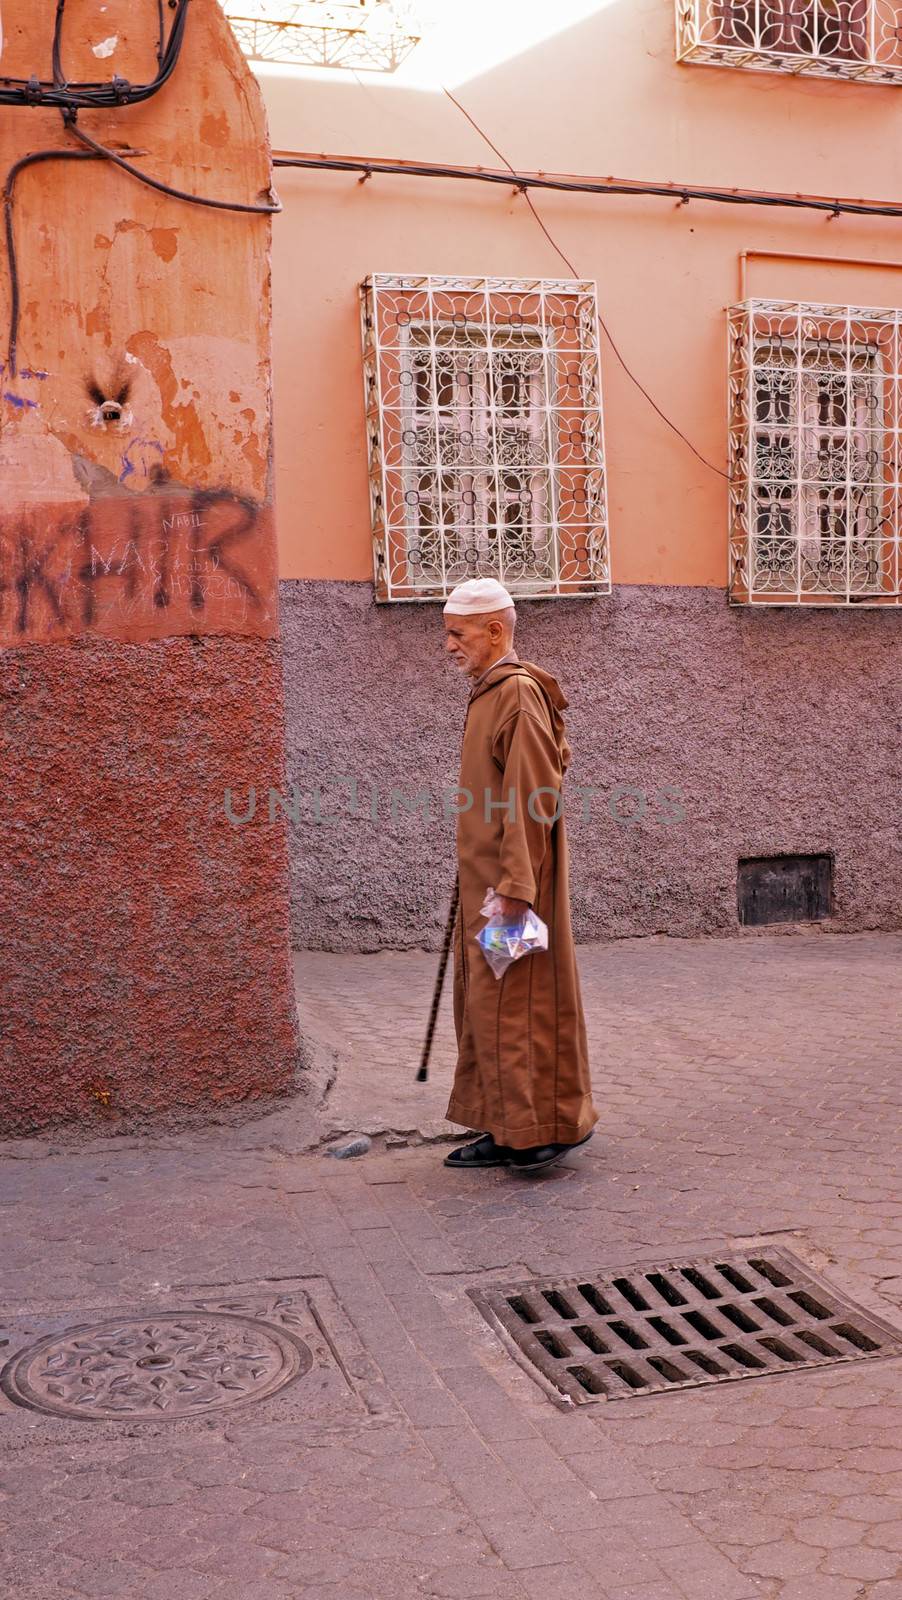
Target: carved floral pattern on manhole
<point x="165" y="1366"/>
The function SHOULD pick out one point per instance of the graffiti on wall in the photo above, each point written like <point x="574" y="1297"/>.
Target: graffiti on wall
<point x="136" y="567"/>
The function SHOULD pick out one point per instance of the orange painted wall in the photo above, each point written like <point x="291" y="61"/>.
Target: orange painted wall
<point x="603" y="97"/>
<point x="121" y="286"/>
<point x="145" y="956"/>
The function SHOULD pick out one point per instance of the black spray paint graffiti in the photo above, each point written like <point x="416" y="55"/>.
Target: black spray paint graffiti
<point x="121" y="557"/>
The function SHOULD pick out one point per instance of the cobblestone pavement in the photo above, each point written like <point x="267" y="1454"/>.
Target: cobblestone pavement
<point x="750" y="1090"/>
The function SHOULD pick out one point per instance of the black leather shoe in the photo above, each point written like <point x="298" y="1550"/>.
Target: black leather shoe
<point x="483" y="1152"/>
<point x="544" y="1156"/>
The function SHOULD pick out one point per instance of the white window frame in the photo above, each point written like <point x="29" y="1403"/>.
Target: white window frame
<point x="828" y="484"/>
<point x="360" y="35"/>
<point x="448" y="473"/>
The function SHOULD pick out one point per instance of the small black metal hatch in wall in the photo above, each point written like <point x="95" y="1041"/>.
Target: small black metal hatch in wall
<point x="785" y="889"/>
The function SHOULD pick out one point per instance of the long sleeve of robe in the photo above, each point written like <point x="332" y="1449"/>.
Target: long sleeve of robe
<point x="522" y="1072"/>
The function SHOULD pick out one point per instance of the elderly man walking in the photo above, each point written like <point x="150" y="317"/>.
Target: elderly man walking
<point x="522" y="1071"/>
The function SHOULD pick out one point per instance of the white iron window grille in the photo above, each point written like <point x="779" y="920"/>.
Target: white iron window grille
<point x="484" y="426"/>
<point x="366" y="35"/>
<point x="859" y="39"/>
<point x="815" y="416"/>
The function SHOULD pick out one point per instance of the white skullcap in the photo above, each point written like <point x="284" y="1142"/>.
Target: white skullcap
<point x="476" y="597"/>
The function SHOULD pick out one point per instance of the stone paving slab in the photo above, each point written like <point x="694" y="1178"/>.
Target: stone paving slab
<point x="749" y="1091"/>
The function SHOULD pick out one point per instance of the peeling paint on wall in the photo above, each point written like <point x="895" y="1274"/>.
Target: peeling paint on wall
<point x="144" y="949"/>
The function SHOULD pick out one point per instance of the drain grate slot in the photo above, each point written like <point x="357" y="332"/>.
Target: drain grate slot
<point x="855" y="1337"/>
<point x="745" y="1358"/>
<point x="700" y="1358"/>
<point x="630" y="1336"/>
<point x="812" y="1306"/>
<point x="590" y="1337"/>
<point x="523" y="1309"/>
<point x="702" y="1325"/>
<point x="590" y="1381"/>
<point x="815" y="1342"/>
<point x="594" y="1299"/>
<point x="740" y="1319"/>
<point x="667" y="1290"/>
<point x="667" y="1369"/>
<point x="785" y="1352"/>
<point x="627" y="1374"/>
<point x="704" y="1287"/>
<point x="631" y="1294"/>
<point x="670" y="1334"/>
<point x="743" y="1284"/>
<point x="683" y="1324"/>
<point x="560" y="1305"/>
<point x="550" y="1342"/>
<point x="776" y="1312"/>
<point x="770" y="1271"/>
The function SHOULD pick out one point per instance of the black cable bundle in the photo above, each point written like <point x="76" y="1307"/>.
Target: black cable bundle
<point x="98" y="96"/>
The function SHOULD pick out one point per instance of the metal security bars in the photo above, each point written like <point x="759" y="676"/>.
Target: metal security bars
<point x="484" y="426"/>
<point x="815" y="396"/>
<point x="366" y="35"/>
<point x="860" y="39"/>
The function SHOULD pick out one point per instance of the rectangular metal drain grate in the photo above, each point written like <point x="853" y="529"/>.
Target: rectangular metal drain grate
<point x="683" y="1324"/>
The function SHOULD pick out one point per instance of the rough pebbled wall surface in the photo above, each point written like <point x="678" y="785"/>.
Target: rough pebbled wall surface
<point x="145" y="945"/>
<point x="706" y="733"/>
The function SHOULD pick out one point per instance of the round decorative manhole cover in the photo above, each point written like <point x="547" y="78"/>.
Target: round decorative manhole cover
<point x="172" y="1365"/>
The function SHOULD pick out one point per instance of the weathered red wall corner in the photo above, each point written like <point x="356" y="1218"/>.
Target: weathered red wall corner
<point x="145" y="955"/>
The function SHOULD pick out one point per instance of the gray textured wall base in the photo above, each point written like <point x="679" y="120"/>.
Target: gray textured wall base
<point x="705" y="733"/>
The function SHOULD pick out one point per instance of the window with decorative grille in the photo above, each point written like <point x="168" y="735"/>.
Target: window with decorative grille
<point x="363" y="35"/>
<point x="483" y="405"/>
<point x="814" y="453"/>
<point x="859" y="39"/>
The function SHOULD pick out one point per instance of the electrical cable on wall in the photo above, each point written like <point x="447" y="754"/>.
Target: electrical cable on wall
<point x="99" y="96"/>
<point x="68" y="99"/>
<point x="264" y="208"/>
<point x="11" y="256"/>
<point x="681" y="192"/>
<point x="524" y="182"/>
<point x="601" y="322"/>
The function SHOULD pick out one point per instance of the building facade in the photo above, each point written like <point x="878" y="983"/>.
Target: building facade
<point x="670" y="422"/>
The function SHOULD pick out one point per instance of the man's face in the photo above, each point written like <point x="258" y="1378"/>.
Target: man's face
<point x="473" y="643"/>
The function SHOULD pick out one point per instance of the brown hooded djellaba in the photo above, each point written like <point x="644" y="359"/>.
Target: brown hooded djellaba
<point x="523" y="1069"/>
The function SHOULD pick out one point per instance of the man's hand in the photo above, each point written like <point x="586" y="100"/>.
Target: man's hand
<point x="511" y="908"/>
<point x="502" y="905"/>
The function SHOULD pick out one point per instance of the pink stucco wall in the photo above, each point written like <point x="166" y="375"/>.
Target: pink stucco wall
<point x="749" y="715"/>
<point x="603" y="97"/>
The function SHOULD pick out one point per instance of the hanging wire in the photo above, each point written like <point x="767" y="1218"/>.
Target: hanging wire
<point x="59" y="79"/>
<point x="603" y="325"/>
<point x="262" y="208"/>
<point x="8" y="193"/>
<point x="69" y="99"/>
<point x="523" y="182"/>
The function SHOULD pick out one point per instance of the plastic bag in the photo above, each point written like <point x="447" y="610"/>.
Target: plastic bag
<point x="506" y="939"/>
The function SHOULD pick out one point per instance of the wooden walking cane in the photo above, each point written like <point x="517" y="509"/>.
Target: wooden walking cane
<point x="423" y="1073"/>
